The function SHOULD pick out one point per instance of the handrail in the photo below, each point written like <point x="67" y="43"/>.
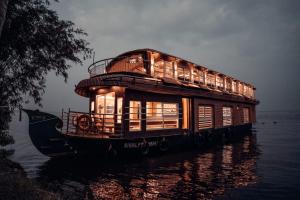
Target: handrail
<point x="99" y="67"/>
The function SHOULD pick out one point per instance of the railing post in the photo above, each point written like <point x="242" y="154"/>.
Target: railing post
<point x="62" y="118"/>
<point x="68" y="121"/>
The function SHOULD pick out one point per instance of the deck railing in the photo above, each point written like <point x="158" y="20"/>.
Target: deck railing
<point x="137" y="64"/>
<point x="80" y="123"/>
<point x="122" y="64"/>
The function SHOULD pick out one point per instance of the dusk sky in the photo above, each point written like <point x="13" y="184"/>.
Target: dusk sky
<point x="254" y="41"/>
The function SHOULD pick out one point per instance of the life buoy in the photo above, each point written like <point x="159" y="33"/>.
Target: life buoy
<point x="84" y="122"/>
<point x="163" y="145"/>
<point x="144" y="148"/>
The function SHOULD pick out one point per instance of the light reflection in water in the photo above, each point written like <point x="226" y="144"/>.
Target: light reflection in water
<point x="204" y="175"/>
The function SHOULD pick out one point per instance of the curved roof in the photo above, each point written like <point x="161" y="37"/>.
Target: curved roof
<point x="178" y="58"/>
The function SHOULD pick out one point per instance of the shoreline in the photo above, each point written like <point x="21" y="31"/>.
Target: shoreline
<point x="14" y="183"/>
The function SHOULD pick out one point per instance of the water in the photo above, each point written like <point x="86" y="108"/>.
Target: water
<point x="262" y="165"/>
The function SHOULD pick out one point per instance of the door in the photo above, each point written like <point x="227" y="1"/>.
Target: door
<point x="105" y="108"/>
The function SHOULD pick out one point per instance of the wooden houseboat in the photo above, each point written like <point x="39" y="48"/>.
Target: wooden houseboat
<point x="146" y="99"/>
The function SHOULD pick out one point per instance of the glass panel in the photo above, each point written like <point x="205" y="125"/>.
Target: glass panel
<point x="205" y="114"/>
<point x="196" y="74"/>
<point x="220" y="82"/>
<point x="246" y="115"/>
<point x="92" y="106"/>
<point x="134" y="116"/>
<point x="169" y="70"/>
<point x="161" y="115"/>
<point x="170" y="115"/>
<point x="105" y="111"/>
<point x="119" y="110"/>
<point x="185" y="113"/>
<point x="201" y="76"/>
<point x="211" y="80"/>
<point x="183" y="73"/>
<point x="159" y="69"/>
<point x="233" y="86"/>
<point x="227" y="116"/>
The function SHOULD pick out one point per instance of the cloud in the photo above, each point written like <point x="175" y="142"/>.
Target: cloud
<point x="256" y="41"/>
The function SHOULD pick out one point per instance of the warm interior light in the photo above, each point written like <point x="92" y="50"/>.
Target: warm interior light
<point x="92" y="106"/>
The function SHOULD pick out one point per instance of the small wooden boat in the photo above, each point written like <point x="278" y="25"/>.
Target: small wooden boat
<point x="145" y="100"/>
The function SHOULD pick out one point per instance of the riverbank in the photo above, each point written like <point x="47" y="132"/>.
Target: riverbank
<point x="14" y="183"/>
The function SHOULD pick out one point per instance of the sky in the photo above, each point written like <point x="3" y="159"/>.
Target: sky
<point x="255" y="41"/>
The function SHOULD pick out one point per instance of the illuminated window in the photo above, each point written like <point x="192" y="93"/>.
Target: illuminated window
<point x="211" y="80"/>
<point x="220" y="82"/>
<point x="105" y="108"/>
<point x="227" y="116"/>
<point x="246" y="115"/>
<point x="205" y="114"/>
<point x="241" y="88"/>
<point x="228" y="85"/>
<point x="196" y="75"/>
<point x="201" y="76"/>
<point x="169" y="70"/>
<point x="234" y="87"/>
<point x="119" y="109"/>
<point x="92" y="106"/>
<point x="161" y="115"/>
<point x="159" y="69"/>
<point x="134" y="116"/>
<point x="183" y="73"/>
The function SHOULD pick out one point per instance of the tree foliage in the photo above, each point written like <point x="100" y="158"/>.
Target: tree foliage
<point x="35" y="41"/>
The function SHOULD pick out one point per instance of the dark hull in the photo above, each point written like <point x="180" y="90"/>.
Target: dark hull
<point x="144" y="146"/>
<point x="46" y="137"/>
<point x="44" y="134"/>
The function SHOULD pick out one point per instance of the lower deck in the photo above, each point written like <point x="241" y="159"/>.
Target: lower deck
<point x="117" y="112"/>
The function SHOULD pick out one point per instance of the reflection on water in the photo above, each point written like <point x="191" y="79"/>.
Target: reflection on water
<point x="241" y="169"/>
<point x="186" y="175"/>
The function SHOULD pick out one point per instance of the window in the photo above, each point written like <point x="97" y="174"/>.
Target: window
<point x="196" y="75"/>
<point x="92" y="106"/>
<point x="134" y="116"/>
<point x="183" y="73"/>
<point x="227" y="116"/>
<point x="246" y="115"/>
<point x="234" y="86"/>
<point x="119" y="110"/>
<point x="169" y="70"/>
<point x="228" y="85"/>
<point x="161" y="115"/>
<point x="211" y="80"/>
<point x="205" y="117"/>
<point x="159" y="69"/>
<point x="105" y="109"/>
<point x="220" y="82"/>
<point x="241" y="88"/>
<point x="163" y="69"/>
<point x="201" y="76"/>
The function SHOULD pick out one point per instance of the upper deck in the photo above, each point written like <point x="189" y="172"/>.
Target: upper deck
<point x="155" y="64"/>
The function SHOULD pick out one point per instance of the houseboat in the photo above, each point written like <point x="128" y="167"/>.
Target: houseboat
<point x="145" y="100"/>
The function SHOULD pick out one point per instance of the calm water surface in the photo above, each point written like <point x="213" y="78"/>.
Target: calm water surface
<point x="261" y="165"/>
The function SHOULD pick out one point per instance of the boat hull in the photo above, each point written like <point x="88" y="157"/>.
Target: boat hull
<point x="45" y="135"/>
<point x="49" y="140"/>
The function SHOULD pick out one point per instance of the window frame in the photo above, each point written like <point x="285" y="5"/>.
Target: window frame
<point x="162" y="116"/>
<point x="212" y="117"/>
<point x="224" y="118"/>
